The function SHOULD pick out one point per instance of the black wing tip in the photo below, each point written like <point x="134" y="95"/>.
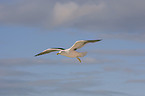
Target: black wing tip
<point x="36" y="55"/>
<point x="58" y="48"/>
<point x="99" y="40"/>
<point x="94" y="40"/>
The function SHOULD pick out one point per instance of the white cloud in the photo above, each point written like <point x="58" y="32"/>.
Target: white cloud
<point x="9" y="72"/>
<point x="126" y="52"/>
<point x="25" y="62"/>
<point x="94" y="15"/>
<point x="15" y="88"/>
<point x="135" y="36"/>
<point x="71" y="11"/>
<point x="136" y="81"/>
<point x="89" y="60"/>
<point x="64" y="12"/>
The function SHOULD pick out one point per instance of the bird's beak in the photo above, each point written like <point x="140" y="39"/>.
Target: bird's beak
<point x="57" y="53"/>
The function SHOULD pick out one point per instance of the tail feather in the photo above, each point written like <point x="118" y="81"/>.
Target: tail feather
<point x="83" y="54"/>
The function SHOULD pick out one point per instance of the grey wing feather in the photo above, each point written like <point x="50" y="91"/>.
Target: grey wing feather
<point x="49" y="50"/>
<point x="81" y="43"/>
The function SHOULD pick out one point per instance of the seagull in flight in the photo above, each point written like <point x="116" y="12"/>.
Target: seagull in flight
<point x="70" y="52"/>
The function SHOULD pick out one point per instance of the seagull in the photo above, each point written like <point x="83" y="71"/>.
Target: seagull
<point x="70" y="52"/>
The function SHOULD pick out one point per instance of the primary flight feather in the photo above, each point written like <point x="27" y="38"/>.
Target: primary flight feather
<point x="70" y="52"/>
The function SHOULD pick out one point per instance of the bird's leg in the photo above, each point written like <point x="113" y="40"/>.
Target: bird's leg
<point x="79" y="59"/>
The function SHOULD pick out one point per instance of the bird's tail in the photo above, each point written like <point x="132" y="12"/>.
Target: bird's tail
<point x="82" y="54"/>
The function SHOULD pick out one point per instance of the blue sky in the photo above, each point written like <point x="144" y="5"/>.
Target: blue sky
<point x="114" y="66"/>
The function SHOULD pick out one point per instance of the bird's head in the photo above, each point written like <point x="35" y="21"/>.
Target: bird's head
<point x="60" y="52"/>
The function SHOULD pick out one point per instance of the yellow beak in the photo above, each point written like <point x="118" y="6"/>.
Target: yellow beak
<point x="57" y="53"/>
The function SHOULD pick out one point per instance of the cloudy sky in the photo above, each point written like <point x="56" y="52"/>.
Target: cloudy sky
<point x="114" y="66"/>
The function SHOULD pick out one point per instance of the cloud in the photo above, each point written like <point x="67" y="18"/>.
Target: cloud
<point x="90" y="60"/>
<point x="24" y="12"/>
<point x="101" y="15"/>
<point x="73" y="86"/>
<point x="84" y="73"/>
<point x="35" y="61"/>
<point x="135" y="36"/>
<point x="121" y="52"/>
<point x="53" y="87"/>
<point x="14" y="88"/>
<point x="27" y="86"/>
<point x="136" y="81"/>
<point x="67" y="80"/>
<point x="71" y="11"/>
<point x="9" y="72"/>
<point x="124" y="70"/>
<point x="73" y="92"/>
<point x="100" y="60"/>
<point x="24" y="62"/>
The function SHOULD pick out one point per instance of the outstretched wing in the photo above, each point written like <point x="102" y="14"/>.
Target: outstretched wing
<point x="49" y="50"/>
<point x="81" y="43"/>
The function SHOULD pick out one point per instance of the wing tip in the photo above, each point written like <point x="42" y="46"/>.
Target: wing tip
<point x="36" y="55"/>
<point x="58" y="48"/>
<point x="99" y="40"/>
<point x="94" y="40"/>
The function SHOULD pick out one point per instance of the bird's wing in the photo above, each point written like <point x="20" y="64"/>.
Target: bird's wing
<point x="81" y="43"/>
<point x="49" y="50"/>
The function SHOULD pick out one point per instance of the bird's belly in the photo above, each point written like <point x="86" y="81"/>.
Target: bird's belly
<point x="71" y="54"/>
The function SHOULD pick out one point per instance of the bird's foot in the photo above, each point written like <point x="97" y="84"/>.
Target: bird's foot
<point x="79" y="59"/>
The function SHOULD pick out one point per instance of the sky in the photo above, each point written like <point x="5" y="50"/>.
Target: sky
<point x="114" y="66"/>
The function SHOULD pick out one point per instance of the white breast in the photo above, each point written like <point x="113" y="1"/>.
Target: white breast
<point x="71" y="54"/>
